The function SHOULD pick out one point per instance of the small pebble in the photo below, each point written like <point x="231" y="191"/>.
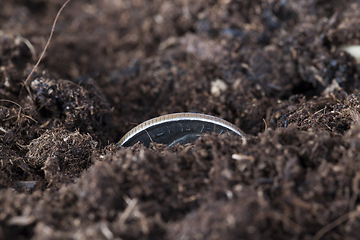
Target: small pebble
<point x="218" y="87"/>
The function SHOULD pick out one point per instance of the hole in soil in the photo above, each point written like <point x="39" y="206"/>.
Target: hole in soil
<point x="36" y="7"/>
<point x="305" y="88"/>
<point x="21" y="232"/>
<point x="45" y="113"/>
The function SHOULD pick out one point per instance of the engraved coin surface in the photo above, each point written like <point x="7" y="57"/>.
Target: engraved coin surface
<point x="176" y="128"/>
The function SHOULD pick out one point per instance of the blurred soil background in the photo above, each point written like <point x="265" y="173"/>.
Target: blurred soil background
<point x="274" y="68"/>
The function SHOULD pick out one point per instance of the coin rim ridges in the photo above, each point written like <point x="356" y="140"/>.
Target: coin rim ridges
<point x="179" y="117"/>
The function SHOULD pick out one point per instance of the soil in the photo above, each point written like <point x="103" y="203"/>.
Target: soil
<point x="285" y="81"/>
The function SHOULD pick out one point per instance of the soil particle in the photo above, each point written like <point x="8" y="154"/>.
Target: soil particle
<point x="76" y="107"/>
<point x="59" y="153"/>
<point x="238" y="219"/>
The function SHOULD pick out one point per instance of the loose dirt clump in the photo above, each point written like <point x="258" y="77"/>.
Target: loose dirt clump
<point x="76" y="107"/>
<point x="60" y="154"/>
<point x="276" y="69"/>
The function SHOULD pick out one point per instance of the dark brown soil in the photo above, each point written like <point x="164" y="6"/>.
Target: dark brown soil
<point x="113" y="64"/>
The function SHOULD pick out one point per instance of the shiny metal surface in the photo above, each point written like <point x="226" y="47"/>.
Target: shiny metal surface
<point x="177" y="128"/>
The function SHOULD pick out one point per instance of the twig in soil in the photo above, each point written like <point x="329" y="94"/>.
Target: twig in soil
<point x="149" y="135"/>
<point x="21" y="108"/>
<point x="355" y="189"/>
<point x="3" y="130"/>
<point x="28" y="44"/>
<point x="5" y="100"/>
<point x="131" y="205"/>
<point x="106" y="231"/>
<point x="265" y="124"/>
<point x="46" y="46"/>
<point x="332" y="225"/>
<point x="131" y="208"/>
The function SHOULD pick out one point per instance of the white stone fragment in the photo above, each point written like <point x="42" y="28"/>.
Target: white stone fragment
<point x="353" y="50"/>
<point x="217" y="87"/>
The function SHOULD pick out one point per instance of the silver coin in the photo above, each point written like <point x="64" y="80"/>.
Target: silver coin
<point x="176" y="128"/>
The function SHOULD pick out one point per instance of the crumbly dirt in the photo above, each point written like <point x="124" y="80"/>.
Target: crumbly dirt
<point x="285" y="81"/>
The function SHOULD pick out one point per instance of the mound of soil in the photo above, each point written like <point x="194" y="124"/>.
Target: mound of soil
<point x="274" y="68"/>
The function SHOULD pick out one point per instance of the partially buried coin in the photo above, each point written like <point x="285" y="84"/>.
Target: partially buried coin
<point x="176" y="128"/>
